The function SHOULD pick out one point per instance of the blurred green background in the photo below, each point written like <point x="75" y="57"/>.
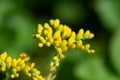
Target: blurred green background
<point x="19" y="19"/>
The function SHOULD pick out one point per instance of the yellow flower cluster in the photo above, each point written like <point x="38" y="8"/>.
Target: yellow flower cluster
<point x="62" y="38"/>
<point x="13" y="66"/>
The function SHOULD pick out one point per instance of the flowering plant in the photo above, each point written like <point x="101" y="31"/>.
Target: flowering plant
<point x="60" y="36"/>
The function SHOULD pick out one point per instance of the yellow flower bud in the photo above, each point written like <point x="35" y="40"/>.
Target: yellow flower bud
<point x="79" y="43"/>
<point x="55" y="58"/>
<point x="73" y="34"/>
<point x="48" y="44"/>
<point x="64" y="48"/>
<point x="87" y="33"/>
<point x="12" y="76"/>
<point x="82" y="47"/>
<point x="51" y="40"/>
<point x="18" y="68"/>
<point x="73" y="46"/>
<point x="80" y="34"/>
<point x="60" y="28"/>
<point x="88" y="51"/>
<point x="3" y="68"/>
<point x="56" y="23"/>
<point x="46" y="25"/>
<point x="56" y="43"/>
<point x="56" y="35"/>
<point x="91" y="35"/>
<point x="3" y="55"/>
<point x="87" y="46"/>
<point x="32" y="65"/>
<point x="45" y="32"/>
<point x="51" y="64"/>
<point x="29" y="74"/>
<point x="62" y="56"/>
<point x="70" y="41"/>
<point x="14" y="63"/>
<point x="42" y="39"/>
<point x="16" y="75"/>
<point x="3" y="63"/>
<point x="14" y="70"/>
<point x="40" y="28"/>
<point x="64" y="42"/>
<point x="92" y="51"/>
<point x="40" y="78"/>
<point x="59" y="50"/>
<point x="51" y="21"/>
<point x="37" y="35"/>
<point x="56" y="64"/>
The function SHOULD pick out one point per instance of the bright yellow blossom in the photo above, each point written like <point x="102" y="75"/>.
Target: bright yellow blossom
<point x="14" y="66"/>
<point x="62" y="38"/>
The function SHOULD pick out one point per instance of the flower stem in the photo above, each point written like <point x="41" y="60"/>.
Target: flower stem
<point x="7" y="77"/>
<point x="49" y="76"/>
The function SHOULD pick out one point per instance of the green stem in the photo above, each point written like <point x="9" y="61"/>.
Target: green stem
<point x="49" y="76"/>
<point x="7" y="77"/>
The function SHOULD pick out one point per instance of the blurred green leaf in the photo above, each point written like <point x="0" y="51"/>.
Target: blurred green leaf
<point x="109" y="13"/>
<point x="115" y="50"/>
<point x="5" y="7"/>
<point x="16" y="35"/>
<point x="93" y="69"/>
<point x="74" y="55"/>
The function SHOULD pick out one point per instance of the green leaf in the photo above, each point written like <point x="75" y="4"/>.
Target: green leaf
<point x="115" y="50"/>
<point x="16" y="36"/>
<point x="93" y="69"/>
<point x="5" y="7"/>
<point x="109" y="13"/>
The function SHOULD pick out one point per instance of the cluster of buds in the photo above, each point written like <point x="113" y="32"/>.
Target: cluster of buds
<point x="62" y="38"/>
<point x="12" y="67"/>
